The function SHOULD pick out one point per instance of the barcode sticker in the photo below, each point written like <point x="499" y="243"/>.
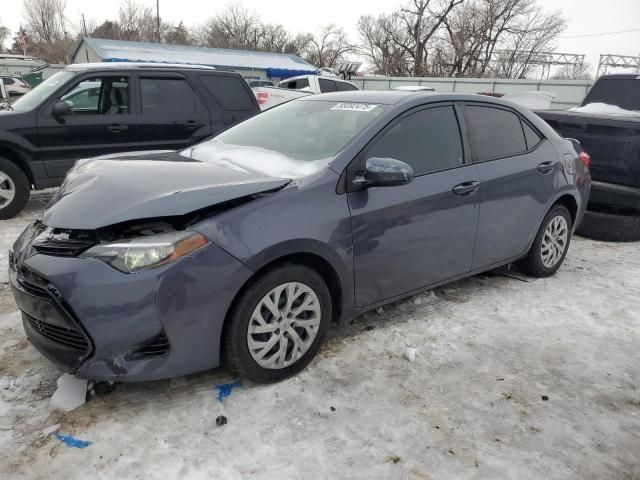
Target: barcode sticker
<point x="355" y="107"/>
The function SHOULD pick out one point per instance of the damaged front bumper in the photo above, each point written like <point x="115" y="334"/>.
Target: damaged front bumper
<point x="100" y="324"/>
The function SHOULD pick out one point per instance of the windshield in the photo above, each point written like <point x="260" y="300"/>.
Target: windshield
<point x="35" y="97"/>
<point x="292" y="140"/>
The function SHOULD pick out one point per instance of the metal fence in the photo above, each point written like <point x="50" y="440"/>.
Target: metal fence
<point x="567" y="93"/>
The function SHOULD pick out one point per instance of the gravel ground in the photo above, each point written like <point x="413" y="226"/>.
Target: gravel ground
<point x="514" y="378"/>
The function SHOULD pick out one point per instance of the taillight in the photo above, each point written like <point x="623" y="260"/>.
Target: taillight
<point x="586" y="159"/>
<point x="262" y="97"/>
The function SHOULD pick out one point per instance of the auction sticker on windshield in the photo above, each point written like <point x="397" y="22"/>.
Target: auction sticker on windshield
<point x="355" y="107"/>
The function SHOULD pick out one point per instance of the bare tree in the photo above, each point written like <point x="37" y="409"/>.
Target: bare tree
<point x="379" y="47"/>
<point x="136" y="22"/>
<point x="329" y="46"/>
<point x="582" y="71"/>
<point x="47" y="30"/>
<point x="5" y="33"/>
<point x="529" y="38"/>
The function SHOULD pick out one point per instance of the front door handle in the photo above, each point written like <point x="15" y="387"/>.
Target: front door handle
<point x="546" y="167"/>
<point x="116" y="128"/>
<point x="466" y="189"/>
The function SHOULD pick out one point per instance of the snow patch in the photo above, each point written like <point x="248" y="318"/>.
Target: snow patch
<point x="70" y="394"/>
<point x="604" y="109"/>
<point x="410" y="354"/>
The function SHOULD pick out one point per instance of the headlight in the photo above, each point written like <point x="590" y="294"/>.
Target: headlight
<point x="142" y="253"/>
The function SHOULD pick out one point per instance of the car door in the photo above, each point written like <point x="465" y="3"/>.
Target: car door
<point x="518" y="171"/>
<point x="422" y="233"/>
<point x="101" y="122"/>
<point x="172" y="114"/>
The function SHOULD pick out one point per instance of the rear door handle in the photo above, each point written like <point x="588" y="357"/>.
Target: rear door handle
<point x="116" y="128"/>
<point x="191" y="124"/>
<point x="466" y="189"/>
<point x="546" y="167"/>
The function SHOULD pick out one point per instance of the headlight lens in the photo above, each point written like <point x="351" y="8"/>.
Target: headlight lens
<point x="142" y="253"/>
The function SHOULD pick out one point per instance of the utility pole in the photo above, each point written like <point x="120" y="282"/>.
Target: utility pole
<point x="158" y="18"/>
<point x="84" y="26"/>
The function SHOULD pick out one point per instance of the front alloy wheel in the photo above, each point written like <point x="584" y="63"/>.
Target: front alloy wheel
<point x="284" y="325"/>
<point x="277" y="324"/>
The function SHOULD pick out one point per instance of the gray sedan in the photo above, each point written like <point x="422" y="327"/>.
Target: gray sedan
<point x="242" y="250"/>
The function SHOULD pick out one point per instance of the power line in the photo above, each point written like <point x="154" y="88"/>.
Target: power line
<point x="603" y="33"/>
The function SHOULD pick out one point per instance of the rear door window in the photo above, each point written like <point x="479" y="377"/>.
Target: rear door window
<point x="168" y="95"/>
<point x="495" y="132"/>
<point x="228" y="91"/>
<point x="327" y="85"/>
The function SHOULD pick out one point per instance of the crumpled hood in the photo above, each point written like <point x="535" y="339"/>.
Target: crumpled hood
<point x="101" y="192"/>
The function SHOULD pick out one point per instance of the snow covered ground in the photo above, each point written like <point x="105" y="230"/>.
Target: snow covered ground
<point x="512" y="379"/>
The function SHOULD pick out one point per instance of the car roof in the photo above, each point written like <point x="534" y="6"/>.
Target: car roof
<point x="395" y="97"/>
<point x="81" y="67"/>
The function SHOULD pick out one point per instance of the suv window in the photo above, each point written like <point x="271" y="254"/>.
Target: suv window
<point x="228" y="91"/>
<point x="167" y="95"/>
<point x="327" y="85"/>
<point x="345" y="87"/>
<point x="99" y="96"/>
<point x="296" y="84"/>
<point x="8" y="81"/>
<point x="495" y="132"/>
<point x="428" y="140"/>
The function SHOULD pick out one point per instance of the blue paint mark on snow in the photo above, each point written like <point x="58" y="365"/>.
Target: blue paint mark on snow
<point x="224" y="389"/>
<point x="72" y="442"/>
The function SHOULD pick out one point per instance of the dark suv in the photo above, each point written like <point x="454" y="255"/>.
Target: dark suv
<point x="87" y="110"/>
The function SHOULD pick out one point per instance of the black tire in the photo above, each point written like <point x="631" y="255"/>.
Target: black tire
<point x="610" y="225"/>
<point x="235" y="347"/>
<point x="20" y="184"/>
<point x="532" y="264"/>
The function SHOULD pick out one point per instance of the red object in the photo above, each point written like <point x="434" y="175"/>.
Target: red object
<point x="586" y="159"/>
<point x="262" y="97"/>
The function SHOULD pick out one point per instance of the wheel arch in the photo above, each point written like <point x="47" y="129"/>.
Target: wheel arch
<point x="568" y="201"/>
<point x="12" y="155"/>
<point x="311" y="260"/>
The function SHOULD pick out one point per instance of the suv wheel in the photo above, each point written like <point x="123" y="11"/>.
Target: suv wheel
<point x="550" y="245"/>
<point x="278" y="324"/>
<point x="14" y="189"/>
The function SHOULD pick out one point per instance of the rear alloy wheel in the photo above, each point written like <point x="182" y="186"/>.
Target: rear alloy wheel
<point x="550" y="245"/>
<point x="14" y="189"/>
<point x="278" y="324"/>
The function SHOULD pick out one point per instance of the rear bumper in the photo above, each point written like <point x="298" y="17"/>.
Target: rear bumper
<point x="610" y="194"/>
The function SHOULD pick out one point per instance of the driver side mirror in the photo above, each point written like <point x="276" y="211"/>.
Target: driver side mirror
<point x="61" y="110"/>
<point x="383" y="172"/>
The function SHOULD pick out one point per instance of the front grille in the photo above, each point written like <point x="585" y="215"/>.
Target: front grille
<point x="69" y="337"/>
<point x="33" y="283"/>
<point x="63" y="242"/>
<point x="65" y="248"/>
<point x="158" y="346"/>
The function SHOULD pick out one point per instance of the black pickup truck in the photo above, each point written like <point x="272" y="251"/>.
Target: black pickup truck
<point x="87" y="110"/>
<point x="609" y="130"/>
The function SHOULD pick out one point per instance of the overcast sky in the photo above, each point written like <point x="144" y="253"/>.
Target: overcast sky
<point x="585" y="17"/>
